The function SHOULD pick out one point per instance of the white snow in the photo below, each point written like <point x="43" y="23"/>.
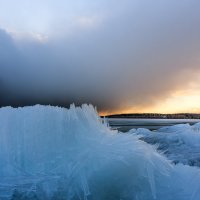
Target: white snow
<point x="55" y="153"/>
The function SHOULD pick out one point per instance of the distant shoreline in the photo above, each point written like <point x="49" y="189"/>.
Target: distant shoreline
<point x="155" y="116"/>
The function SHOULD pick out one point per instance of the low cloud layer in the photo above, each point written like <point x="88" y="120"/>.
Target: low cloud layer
<point x="132" y="57"/>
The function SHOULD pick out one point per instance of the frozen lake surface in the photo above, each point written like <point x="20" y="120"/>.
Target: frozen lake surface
<point x="125" y="124"/>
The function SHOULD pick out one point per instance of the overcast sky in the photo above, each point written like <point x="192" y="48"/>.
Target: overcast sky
<point x="121" y="56"/>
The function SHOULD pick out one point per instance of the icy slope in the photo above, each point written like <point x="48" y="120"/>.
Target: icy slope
<point x="54" y="153"/>
<point x="180" y="143"/>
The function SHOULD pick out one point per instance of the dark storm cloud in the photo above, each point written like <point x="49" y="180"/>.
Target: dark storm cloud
<point x="138" y="56"/>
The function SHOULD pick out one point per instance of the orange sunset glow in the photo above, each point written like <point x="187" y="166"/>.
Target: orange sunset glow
<point x="180" y="101"/>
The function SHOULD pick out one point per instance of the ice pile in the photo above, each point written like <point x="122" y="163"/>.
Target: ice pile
<point x="69" y="154"/>
<point x="180" y="143"/>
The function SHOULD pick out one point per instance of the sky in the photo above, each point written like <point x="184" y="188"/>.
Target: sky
<point x="121" y="56"/>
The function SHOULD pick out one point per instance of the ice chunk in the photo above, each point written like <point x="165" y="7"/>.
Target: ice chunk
<point x="55" y="153"/>
<point x="181" y="143"/>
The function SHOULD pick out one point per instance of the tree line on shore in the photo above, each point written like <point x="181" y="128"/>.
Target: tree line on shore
<point x="156" y="116"/>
